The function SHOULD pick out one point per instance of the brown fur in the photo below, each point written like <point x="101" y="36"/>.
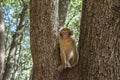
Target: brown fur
<point x="67" y="45"/>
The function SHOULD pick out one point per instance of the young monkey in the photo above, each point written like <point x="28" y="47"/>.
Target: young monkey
<point x="68" y="52"/>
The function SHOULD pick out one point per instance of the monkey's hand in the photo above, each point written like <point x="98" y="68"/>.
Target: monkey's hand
<point x="60" y="68"/>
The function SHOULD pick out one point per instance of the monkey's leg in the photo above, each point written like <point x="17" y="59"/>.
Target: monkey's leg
<point x="70" y="59"/>
<point x="75" y="59"/>
<point x="68" y="64"/>
<point x="63" y="60"/>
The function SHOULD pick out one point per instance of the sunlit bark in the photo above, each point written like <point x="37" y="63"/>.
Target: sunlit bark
<point x="63" y="7"/>
<point x="2" y="44"/>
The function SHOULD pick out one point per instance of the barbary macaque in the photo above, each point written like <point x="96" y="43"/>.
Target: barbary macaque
<point x="68" y="52"/>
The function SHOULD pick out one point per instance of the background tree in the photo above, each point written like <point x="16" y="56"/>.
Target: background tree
<point x="63" y="7"/>
<point x="73" y="18"/>
<point x="100" y="40"/>
<point x="13" y="48"/>
<point x="2" y="44"/>
<point x="17" y="39"/>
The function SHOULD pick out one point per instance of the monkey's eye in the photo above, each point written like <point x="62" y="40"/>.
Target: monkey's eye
<point x="65" y="33"/>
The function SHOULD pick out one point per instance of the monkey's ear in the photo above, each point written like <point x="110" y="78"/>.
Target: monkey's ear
<point x="71" y="33"/>
<point x="59" y="33"/>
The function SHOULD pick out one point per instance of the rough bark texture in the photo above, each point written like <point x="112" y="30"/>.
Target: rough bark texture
<point x="2" y="44"/>
<point x="63" y="7"/>
<point x="100" y="40"/>
<point x="44" y="48"/>
<point x="43" y="28"/>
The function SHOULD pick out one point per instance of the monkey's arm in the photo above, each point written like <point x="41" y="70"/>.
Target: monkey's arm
<point x="63" y="59"/>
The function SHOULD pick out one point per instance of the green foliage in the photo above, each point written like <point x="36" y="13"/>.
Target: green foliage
<point x="74" y="16"/>
<point x="22" y="66"/>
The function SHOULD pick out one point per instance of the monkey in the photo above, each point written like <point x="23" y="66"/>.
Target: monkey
<point x="68" y="52"/>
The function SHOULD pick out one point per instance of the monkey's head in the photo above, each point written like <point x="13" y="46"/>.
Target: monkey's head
<point x="65" y="33"/>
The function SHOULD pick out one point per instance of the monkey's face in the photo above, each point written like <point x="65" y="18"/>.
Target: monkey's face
<point x="65" y="34"/>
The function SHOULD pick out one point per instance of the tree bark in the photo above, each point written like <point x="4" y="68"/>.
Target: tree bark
<point x="2" y="44"/>
<point x="43" y="28"/>
<point x="100" y="40"/>
<point x="63" y="7"/>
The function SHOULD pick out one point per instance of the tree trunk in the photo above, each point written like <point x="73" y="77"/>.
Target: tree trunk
<point x="44" y="48"/>
<point x="2" y="44"/>
<point x="100" y="40"/>
<point x="63" y="7"/>
<point x="43" y="28"/>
